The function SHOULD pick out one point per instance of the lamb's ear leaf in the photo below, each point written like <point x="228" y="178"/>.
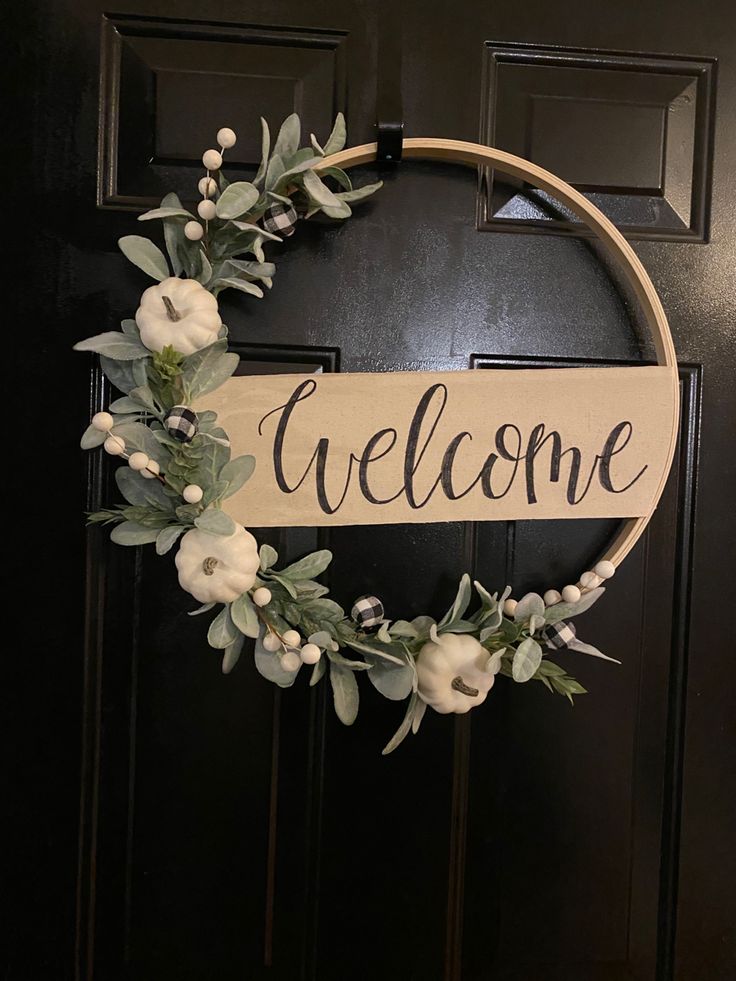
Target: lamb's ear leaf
<point x="131" y="533"/>
<point x="92" y="437"/>
<point x="344" y="692"/>
<point x="461" y="603"/>
<point x="269" y="556"/>
<point x="265" y="150"/>
<point x="403" y="731"/>
<point x="287" y="142"/>
<point x="527" y="659"/>
<point x="232" y="654"/>
<point x="563" y="611"/>
<point x="144" y="254"/>
<point x="336" y="139"/>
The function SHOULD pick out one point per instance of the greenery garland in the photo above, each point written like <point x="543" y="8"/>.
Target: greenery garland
<point x="179" y="469"/>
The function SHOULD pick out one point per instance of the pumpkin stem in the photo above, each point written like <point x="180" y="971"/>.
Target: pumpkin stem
<point x="208" y="566"/>
<point x="459" y="685"/>
<point x="171" y="312"/>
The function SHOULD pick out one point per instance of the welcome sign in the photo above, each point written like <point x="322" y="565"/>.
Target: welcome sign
<point x="485" y="445"/>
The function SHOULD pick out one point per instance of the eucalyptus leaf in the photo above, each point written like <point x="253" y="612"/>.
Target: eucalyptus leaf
<point x="215" y="522"/>
<point x="222" y="630"/>
<point x="344" y="693"/>
<point x="310" y="566"/>
<point x="115" y="345"/>
<point x="529" y="605"/>
<point x="237" y="199"/>
<point x="527" y="658"/>
<point x="131" y="533"/>
<point x="232" y="654"/>
<point x="144" y="254"/>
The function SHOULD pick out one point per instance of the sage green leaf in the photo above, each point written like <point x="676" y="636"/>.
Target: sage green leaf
<point x="344" y="693"/>
<point x="236" y="199"/>
<point x="222" y="630"/>
<point x="338" y="658"/>
<point x="215" y="522"/>
<point x="582" y="648"/>
<point x="529" y="605"/>
<point x="359" y="193"/>
<point x="237" y="472"/>
<point x="140" y="492"/>
<point x="274" y="171"/>
<point x="167" y="538"/>
<point x="245" y="618"/>
<point x="336" y="140"/>
<point x="238" y="284"/>
<point x="319" y="192"/>
<point x="165" y="213"/>
<point x="315" y="143"/>
<point x="324" y="609"/>
<point x="403" y="731"/>
<point x="362" y="648"/>
<point x="131" y="533"/>
<point x="310" y="566"/>
<point x="124" y="375"/>
<point x="339" y="175"/>
<point x="322" y="639"/>
<point x="232" y="654"/>
<point x="268" y="664"/>
<point x="462" y="600"/>
<point x="257" y="269"/>
<point x="269" y="556"/>
<point x="265" y="150"/>
<point x="402" y="628"/>
<point x="141" y="438"/>
<point x="203" y="272"/>
<point x="318" y="671"/>
<point x="295" y="169"/>
<point x="287" y="142"/>
<point x="563" y="611"/>
<point x="144" y="254"/>
<point x="206" y="370"/>
<point x="420" y="707"/>
<point x="527" y="658"/>
<point x="204" y="608"/>
<point x="126" y="406"/>
<point x="91" y="438"/>
<point x="256" y="231"/>
<point x="288" y="586"/>
<point x="114" y="344"/>
<point x="340" y="212"/>
<point x="391" y="680"/>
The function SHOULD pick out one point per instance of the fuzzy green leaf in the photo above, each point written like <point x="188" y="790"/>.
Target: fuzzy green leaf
<point x="215" y="522"/>
<point x="144" y="254"/>
<point x="232" y="654"/>
<point x="115" y="345"/>
<point x="237" y="472"/>
<point x="222" y="630"/>
<point x="237" y="199"/>
<point x="310" y="566"/>
<point x="244" y="615"/>
<point x="131" y="533"/>
<point x="336" y="140"/>
<point x="344" y="693"/>
<point x="527" y="658"/>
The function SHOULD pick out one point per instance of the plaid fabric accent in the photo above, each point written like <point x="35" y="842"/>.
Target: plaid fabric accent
<point x="559" y="635"/>
<point x="280" y="219"/>
<point x="181" y="422"/>
<point x="367" y="611"/>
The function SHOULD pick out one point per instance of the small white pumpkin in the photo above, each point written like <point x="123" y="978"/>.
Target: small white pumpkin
<point x="217" y="568"/>
<point x="455" y="673"/>
<point x="179" y="312"/>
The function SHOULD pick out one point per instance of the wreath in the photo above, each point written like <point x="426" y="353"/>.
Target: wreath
<point x="178" y="468"/>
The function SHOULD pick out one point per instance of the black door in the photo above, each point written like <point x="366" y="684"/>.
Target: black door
<point x="177" y="824"/>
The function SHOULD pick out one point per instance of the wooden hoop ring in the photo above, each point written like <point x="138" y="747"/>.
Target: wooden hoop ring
<point x="474" y="154"/>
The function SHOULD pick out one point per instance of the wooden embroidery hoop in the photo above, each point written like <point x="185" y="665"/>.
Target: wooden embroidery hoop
<point x="474" y="154"/>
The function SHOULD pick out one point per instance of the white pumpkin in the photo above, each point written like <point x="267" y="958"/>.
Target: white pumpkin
<point x="217" y="568"/>
<point x="179" y="312"/>
<point x="455" y="673"/>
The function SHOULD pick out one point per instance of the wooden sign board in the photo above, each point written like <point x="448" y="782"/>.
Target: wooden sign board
<point x="484" y="445"/>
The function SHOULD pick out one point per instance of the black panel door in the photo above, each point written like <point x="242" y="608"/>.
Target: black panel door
<point x="173" y="823"/>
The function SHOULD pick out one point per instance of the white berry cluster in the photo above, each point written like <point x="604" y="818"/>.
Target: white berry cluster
<point x="571" y="594"/>
<point x="212" y="160"/>
<point x="293" y="654"/>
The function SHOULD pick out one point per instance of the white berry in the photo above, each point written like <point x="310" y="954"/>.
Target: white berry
<point x="207" y="187"/>
<point x="114" y="445"/>
<point x="510" y="607"/>
<point x="271" y="643"/>
<point x="589" y="580"/>
<point x="152" y="470"/>
<point x="605" y="569"/>
<point x="291" y="638"/>
<point x="310" y="654"/>
<point x="262" y="596"/>
<point x="206" y="209"/>
<point x="571" y="594"/>
<point x="212" y="159"/>
<point x="192" y="493"/>
<point x="551" y="597"/>
<point x="226" y="138"/>
<point x="193" y="231"/>
<point x="138" y="461"/>
<point x="290" y="661"/>
<point x="103" y="421"/>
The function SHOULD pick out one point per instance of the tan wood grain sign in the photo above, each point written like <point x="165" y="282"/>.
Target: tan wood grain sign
<point x="484" y="445"/>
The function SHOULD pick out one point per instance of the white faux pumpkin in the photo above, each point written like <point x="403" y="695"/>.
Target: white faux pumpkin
<point x="217" y="568"/>
<point x="179" y="312"/>
<point x="455" y="673"/>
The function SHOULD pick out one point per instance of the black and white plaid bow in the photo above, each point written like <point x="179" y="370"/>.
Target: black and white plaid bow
<point x="559" y="635"/>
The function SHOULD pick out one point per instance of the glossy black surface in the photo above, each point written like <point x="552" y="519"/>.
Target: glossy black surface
<point x="171" y="823"/>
